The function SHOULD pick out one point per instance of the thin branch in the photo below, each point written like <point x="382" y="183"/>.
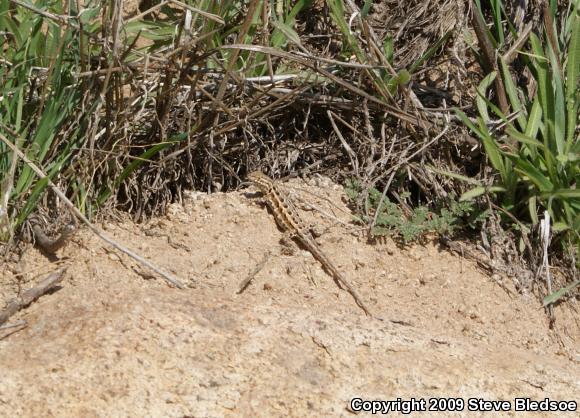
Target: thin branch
<point x="251" y="276"/>
<point x="31" y="295"/>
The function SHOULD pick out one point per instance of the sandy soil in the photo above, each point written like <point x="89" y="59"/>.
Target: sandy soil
<point x="115" y="341"/>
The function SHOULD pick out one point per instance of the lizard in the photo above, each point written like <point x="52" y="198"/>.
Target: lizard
<point x="48" y="245"/>
<point x="290" y="222"/>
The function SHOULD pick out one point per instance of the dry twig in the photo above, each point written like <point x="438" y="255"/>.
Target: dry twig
<point x="253" y="273"/>
<point x="31" y="295"/>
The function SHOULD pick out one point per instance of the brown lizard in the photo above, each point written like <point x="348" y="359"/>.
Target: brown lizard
<point x="50" y="246"/>
<point x="289" y="221"/>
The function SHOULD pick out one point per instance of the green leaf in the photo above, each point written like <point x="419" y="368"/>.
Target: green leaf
<point x="523" y="138"/>
<point x="497" y="20"/>
<point x="38" y="189"/>
<point x="481" y="94"/>
<point x="297" y="8"/>
<point x="555" y="296"/>
<point x="430" y="52"/>
<point x="560" y="226"/>
<point x="478" y="191"/>
<point x="534" y="119"/>
<point x="403" y="77"/>
<point x="494" y="153"/>
<point x="388" y="48"/>
<point x="288" y="31"/>
<point x="564" y="193"/>
<point x="454" y="175"/>
<point x="545" y="96"/>
<point x="527" y="169"/>
<point x="473" y="193"/>
<point x="496" y="110"/>
<point x="558" y="118"/>
<point x="366" y="7"/>
<point x="572" y="76"/>
<point x="155" y="31"/>
<point x="476" y="130"/>
<point x="338" y="16"/>
<point x="512" y="94"/>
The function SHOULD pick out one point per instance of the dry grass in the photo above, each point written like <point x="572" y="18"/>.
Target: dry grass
<point x="165" y="96"/>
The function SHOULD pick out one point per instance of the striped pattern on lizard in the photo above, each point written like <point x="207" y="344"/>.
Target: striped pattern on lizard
<point x="290" y="221"/>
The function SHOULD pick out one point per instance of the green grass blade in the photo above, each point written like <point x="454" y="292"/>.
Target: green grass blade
<point x="546" y="98"/>
<point x="534" y="119"/>
<point x="524" y="139"/>
<point x="527" y="169"/>
<point x="559" y="119"/>
<point x="469" y="123"/>
<point x="494" y="153"/>
<point x="512" y="94"/>
<point x="497" y="21"/>
<point x="480" y="190"/>
<point x="572" y="79"/>
<point x="564" y="193"/>
<point x="430" y="52"/>
<point x="39" y="188"/>
<point x="480" y="101"/>
<point x="454" y="175"/>
<point x="287" y="31"/>
<point x="557" y="295"/>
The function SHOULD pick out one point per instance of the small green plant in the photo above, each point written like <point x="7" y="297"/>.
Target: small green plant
<point x="536" y="155"/>
<point x="413" y="224"/>
<point x="536" y="158"/>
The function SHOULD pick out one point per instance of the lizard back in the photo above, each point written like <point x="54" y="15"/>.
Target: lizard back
<point x="284" y="212"/>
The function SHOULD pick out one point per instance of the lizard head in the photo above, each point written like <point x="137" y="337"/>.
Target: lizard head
<point x="261" y="181"/>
